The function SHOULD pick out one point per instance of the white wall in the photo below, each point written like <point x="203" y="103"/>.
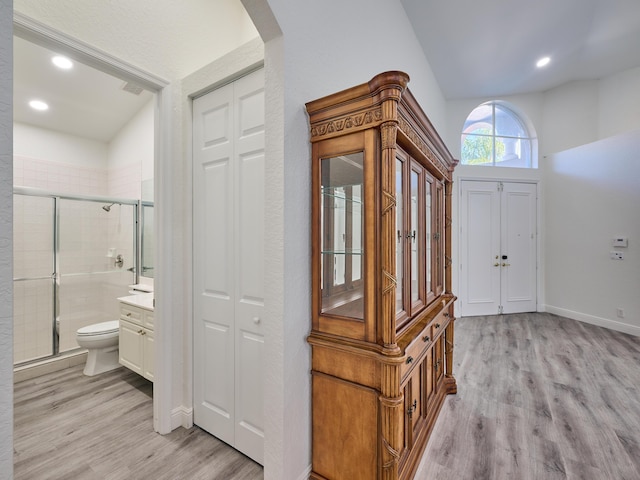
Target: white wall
<point x="619" y="103"/>
<point x="43" y="144"/>
<point x="131" y="153"/>
<point x="6" y="239"/>
<point x="592" y="195"/>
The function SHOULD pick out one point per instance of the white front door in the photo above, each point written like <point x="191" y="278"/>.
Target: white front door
<point x="497" y="247"/>
<point x="228" y="263"/>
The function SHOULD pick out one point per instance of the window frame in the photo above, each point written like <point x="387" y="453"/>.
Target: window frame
<point x="529" y="138"/>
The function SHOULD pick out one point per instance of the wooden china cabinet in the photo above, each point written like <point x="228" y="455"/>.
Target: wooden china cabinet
<point x="382" y="333"/>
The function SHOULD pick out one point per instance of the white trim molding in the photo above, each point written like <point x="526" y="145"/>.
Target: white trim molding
<point x="43" y="35"/>
<point x="181" y="417"/>
<point x="593" y="320"/>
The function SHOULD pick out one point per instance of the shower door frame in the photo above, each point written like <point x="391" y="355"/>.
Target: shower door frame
<point x="55" y="276"/>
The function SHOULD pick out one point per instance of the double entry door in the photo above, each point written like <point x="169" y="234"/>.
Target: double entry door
<point x="228" y="263"/>
<point x="498" y="245"/>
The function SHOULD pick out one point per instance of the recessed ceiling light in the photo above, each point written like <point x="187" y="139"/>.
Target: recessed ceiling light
<point x="542" y="62"/>
<point x="38" y="105"/>
<point x="62" y="62"/>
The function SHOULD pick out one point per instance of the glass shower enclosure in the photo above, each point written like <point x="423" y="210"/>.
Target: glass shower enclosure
<point x="73" y="257"/>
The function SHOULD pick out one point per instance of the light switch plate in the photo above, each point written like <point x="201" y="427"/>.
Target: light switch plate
<point x="620" y="242"/>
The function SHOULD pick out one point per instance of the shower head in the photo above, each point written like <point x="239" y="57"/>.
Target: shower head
<point x="107" y="208"/>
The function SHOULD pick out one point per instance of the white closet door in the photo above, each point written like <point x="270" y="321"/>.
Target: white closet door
<point x="228" y="259"/>
<point x="249" y="265"/>
<point x="498" y="248"/>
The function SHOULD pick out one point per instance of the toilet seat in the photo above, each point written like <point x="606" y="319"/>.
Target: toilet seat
<point x="103" y="328"/>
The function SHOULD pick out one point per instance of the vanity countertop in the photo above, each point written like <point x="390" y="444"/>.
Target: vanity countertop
<point x="143" y="300"/>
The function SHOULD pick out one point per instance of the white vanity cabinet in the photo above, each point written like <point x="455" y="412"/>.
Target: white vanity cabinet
<point x="137" y="348"/>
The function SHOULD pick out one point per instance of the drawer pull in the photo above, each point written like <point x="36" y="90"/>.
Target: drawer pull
<point x="437" y="325"/>
<point x="445" y="314"/>
<point x="426" y="338"/>
<point x="129" y="314"/>
<point x="409" y="360"/>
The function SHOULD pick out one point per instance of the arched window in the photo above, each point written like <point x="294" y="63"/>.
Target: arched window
<point x="494" y="135"/>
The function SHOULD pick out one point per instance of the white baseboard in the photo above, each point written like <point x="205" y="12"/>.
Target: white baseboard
<point x="593" y="320"/>
<point x="181" y="417"/>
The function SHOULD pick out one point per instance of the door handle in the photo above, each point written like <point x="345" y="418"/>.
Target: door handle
<point x="506" y="264"/>
<point x="496" y="264"/>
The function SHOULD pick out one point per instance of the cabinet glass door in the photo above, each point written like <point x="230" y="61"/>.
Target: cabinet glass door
<point x="438" y="236"/>
<point x="416" y="237"/>
<point x="341" y="235"/>
<point x="428" y="225"/>
<point x="400" y="308"/>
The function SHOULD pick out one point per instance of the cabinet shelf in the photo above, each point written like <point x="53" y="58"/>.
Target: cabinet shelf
<point x="342" y="252"/>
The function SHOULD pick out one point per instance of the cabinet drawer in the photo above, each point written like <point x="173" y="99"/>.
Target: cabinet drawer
<point x="415" y="351"/>
<point x="131" y="314"/>
<point x="439" y="324"/>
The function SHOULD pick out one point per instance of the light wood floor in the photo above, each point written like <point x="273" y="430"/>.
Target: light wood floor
<point x="540" y="397"/>
<point x="68" y="426"/>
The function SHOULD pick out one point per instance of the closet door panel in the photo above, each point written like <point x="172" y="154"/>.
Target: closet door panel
<point x="249" y="264"/>
<point x="213" y="269"/>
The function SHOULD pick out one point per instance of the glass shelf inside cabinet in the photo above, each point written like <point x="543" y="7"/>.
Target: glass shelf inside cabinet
<point x="341" y="232"/>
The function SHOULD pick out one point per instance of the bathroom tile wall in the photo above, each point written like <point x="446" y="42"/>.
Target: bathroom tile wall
<point x="58" y="176"/>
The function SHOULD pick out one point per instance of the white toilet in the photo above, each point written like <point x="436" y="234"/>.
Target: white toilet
<point x="101" y="341"/>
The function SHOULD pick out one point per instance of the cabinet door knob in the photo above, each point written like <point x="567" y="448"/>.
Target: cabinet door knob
<point x="445" y="314"/>
<point x="409" y="360"/>
<point x="256" y="320"/>
<point x="437" y="325"/>
<point x="426" y="338"/>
